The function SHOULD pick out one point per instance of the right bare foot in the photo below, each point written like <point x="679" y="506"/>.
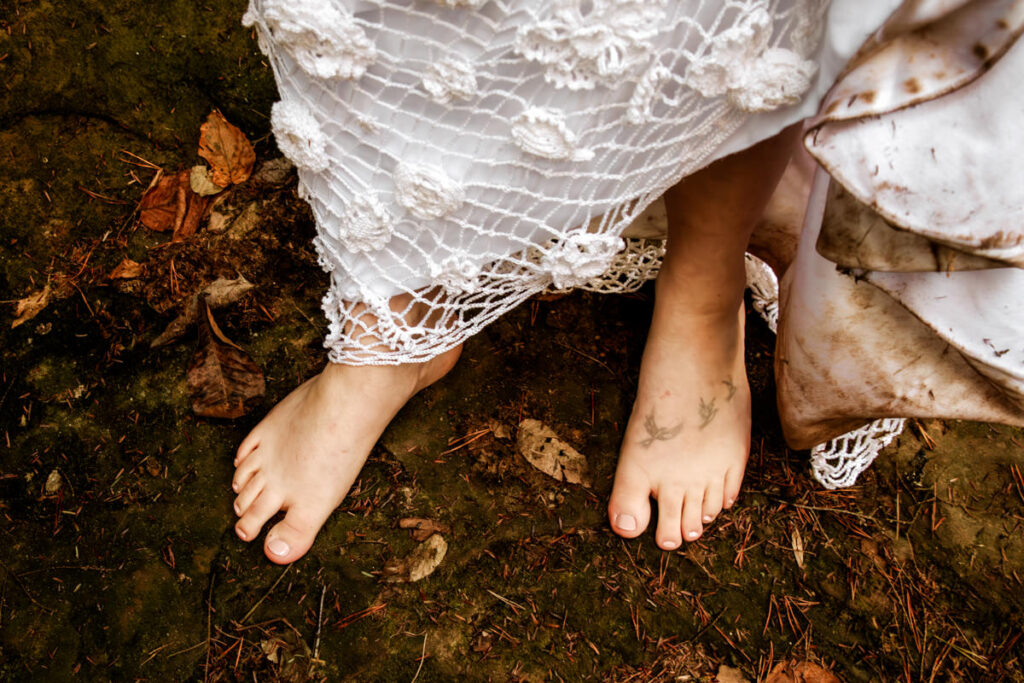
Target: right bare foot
<point x="303" y="457"/>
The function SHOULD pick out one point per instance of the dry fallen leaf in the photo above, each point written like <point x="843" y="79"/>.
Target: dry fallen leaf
<point x="798" y="547"/>
<point x="419" y="564"/>
<point x="543" y="449"/>
<point x="800" y="672"/>
<point x="219" y="294"/>
<point x="228" y="151"/>
<point x="170" y="205"/>
<point x="200" y="179"/>
<point x="126" y="270"/>
<point x="222" y="380"/>
<point x="159" y="206"/>
<point x="30" y="306"/>
<point x="422" y="529"/>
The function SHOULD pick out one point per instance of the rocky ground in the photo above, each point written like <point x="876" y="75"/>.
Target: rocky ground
<point x="118" y="557"/>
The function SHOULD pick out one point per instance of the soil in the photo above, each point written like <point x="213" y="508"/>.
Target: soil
<point x="119" y="560"/>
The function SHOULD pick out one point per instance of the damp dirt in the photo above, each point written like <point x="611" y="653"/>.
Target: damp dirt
<point x="124" y="566"/>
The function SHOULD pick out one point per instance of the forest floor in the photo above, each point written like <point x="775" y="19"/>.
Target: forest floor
<point x="119" y="560"/>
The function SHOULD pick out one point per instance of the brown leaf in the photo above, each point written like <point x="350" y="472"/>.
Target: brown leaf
<point x="196" y="209"/>
<point x="222" y="381"/>
<point x="30" y="306"/>
<point x="543" y="449"/>
<point x="800" y="672"/>
<point x="422" y="529"/>
<point x="418" y="564"/>
<point x="222" y="292"/>
<point x="158" y="209"/>
<point x="126" y="270"/>
<point x="228" y="151"/>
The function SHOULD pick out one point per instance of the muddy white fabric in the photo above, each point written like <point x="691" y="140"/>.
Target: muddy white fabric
<point x="470" y="154"/>
<point x="934" y="330"/>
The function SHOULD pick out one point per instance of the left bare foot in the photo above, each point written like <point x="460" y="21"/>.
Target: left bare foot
<point x="688" y="437"/>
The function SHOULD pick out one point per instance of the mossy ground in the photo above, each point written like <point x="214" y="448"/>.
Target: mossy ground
<point x="132" y="571"/>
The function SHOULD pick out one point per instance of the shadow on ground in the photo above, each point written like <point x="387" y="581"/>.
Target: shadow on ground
<point x="119" y="561"/>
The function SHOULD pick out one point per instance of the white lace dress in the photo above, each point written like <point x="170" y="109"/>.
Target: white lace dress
<point x="470" y="153"/>
<point x="467" y="154"/>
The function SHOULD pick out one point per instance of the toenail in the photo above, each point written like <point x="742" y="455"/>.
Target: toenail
<point x="730" y="501"/>
<point x="626" y="522"/>
<point x="278" y="547"/>
<point x="238" y="509"/>
<point x="234" y="487"/>
<point x="241" y="534"/>
<point x="669" y="545"/>
<point x="708" y="519"/>
<point x="692" y="534"/>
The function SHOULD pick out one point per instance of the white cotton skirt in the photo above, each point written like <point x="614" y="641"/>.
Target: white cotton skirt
<point x="460" y="156"/>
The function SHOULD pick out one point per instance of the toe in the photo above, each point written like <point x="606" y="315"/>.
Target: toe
<point x="713" y="499"/>
<point x="248" y="494"/>
<point x="733" y="479"/>
<point x="670" y="505"/>
<point x="693" y="504"/>
<point x="248" y="445"/>
<point x="629" y="508"/>
<point x="263" y="508"/>
<point x="290" y="538"/>
<point x="243" y="472"/>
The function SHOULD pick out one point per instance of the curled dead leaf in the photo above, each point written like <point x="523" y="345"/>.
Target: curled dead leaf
<point x="158" y="208"/>
<point x="222" y="380"/>
<point x="170" y="205"/>
<point x="127" y="269"/>
<point x="222" y="292"/>
<point x="30" y="306"/>
<point x="543" y="449"/>
<point x="200" y="179"/>
<point x="422" y="529"/>
<point x="225" y="147"/>
<point x="419" y="564"/>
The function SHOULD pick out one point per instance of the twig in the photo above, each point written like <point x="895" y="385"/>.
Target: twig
<point x="423" y="656"/>
<point x="265" y="595"/>
<point x="319" y="623"/>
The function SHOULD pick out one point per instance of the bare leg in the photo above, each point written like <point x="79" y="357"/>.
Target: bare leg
<point x="688" y="437"/>
<point x="303" y="457"/>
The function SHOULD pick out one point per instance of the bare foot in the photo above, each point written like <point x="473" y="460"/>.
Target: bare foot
<point x="688" y="437"/>
<point x="305" y="454"/>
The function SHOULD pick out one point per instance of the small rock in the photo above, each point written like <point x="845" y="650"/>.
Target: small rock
<point x="273" y="172"/>
<point x="542" y="448"/>
<point x="218" y="222"/>
<point x="246" y="221"/>
<point x="201" y="181"/>
<point x="419" y="564"/>
<point x="54" y="482"/>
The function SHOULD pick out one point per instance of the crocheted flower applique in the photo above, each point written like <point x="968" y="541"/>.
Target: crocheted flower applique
<point x="366" y="225"/>
<point x="322" y="37"/>
<point x="580" y="257"/>
<point x="451" y="78"/>
<point x="457" y="274"/>
<point x="585" y="43"/>
<point x="544" y="133"/>
<point x="427" y="192"/>
<point x="299" y="136"/>
<point x="639" y="109"/>
<point x="752" y="76"/>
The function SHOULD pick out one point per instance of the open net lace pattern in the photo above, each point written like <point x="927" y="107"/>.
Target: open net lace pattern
<point x="467" y="154"/>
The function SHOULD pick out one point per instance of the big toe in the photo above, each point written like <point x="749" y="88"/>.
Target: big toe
<point x="629" y="509"/>
<point x="293" y="536"/>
